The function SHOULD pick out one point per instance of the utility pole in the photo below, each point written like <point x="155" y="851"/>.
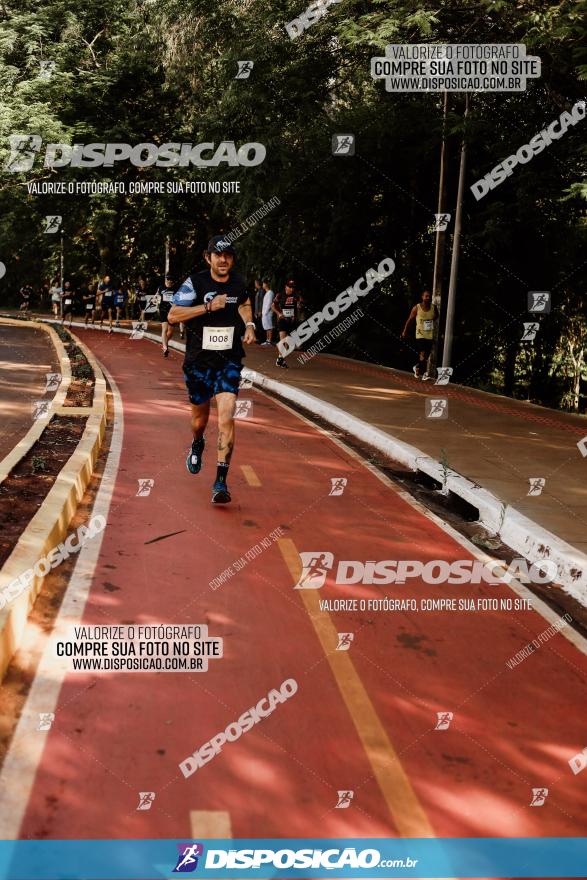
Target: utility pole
<point x="456" y="244"/>
<point x="440" y="241"/>
<point x="61" y="271"/>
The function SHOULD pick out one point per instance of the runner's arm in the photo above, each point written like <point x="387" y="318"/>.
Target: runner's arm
<point x="246" y="313"/>
<point x="180" y="314"/>
<point x="411" y="318"/>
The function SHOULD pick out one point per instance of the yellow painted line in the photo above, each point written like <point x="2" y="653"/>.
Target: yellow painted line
<point x="250" y="475"/>
<point x="407" y="812"/>
<point x="210" y="824"/>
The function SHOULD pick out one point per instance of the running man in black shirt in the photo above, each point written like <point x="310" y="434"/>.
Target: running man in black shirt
<point x="106" y="288"/>
<point x="287" y="306"/>
<point x="89" y="298"/>
<point x="26" y="293"/>
<point x="213" y="304"/>
<point x="67" y="303"/>
<point x="165" y="296"/>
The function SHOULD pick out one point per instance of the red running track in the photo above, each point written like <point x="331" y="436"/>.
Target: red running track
<point x="116" y="734"/>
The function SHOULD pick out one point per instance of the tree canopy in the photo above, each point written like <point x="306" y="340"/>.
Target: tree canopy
<point x="162" y="71"/>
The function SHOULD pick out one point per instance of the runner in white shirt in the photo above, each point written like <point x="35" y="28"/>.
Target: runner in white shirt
<point x="55" y="294"/>
<point x="267" y="313"/>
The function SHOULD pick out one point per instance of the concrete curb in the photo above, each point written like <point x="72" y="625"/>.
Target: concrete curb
<point x="49" y="525"/>
<point x="526" y="537"/>
<point x="37" y="428"/>
<point x="522" y="534"/>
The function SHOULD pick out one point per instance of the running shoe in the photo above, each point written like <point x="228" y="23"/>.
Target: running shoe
<point x="416" y="369"/>
<point x="280" y="362"/>
<point x="194" y="460"/>
<point x="220" y="493"/>
<point x="165" y="352"/>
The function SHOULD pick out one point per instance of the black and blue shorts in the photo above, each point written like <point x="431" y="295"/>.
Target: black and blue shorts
<point x="204" y="383"/>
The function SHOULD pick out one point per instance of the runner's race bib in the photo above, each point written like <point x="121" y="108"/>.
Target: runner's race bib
<point x="167" y="296"/>
<point x="289" y="313"/>
<point x="67" y="302"/>
<point x="217" y="338"/>
<point x="427" y="324"/>
<point x="89" y="307"/>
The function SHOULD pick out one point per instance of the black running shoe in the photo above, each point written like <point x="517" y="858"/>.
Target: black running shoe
<point x="193" y="461"/>
<point x="166" y="353"/>
<point x="280" y="362"/>
<point x="220" y="493"/>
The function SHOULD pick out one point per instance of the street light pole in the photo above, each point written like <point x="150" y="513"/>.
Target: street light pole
<point x="456" y="245"/>
<point x="440" y="240"/>
<point x="61" y="271"/>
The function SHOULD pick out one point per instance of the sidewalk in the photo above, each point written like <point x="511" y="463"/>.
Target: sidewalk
<point x="495" y="441"/>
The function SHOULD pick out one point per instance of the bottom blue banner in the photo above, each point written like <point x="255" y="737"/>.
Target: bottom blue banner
<point x="302" y="858"/>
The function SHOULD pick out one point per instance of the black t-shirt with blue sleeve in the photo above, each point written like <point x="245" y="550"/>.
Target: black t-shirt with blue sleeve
<point x="214" y="338"/>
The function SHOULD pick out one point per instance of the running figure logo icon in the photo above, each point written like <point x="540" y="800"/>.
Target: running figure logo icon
<point x="436" y="409"/>
<point x="152" y="303"/>
<point x="441" y="222"/>
<point x="536" y="485"/>
<point x="343" y="145"/>
<point x="246" y="379"/>
<point x="344" y="641"/>
<point x="47" y="69"/>
<point x="444" y="719"/>
<point x="315" y="567"/>
<point x="344" y="800"/>
<point x="530" y="331"/>
<point x="243" y="409"/>
<point x="145" y="487"/>
<point x="539" y="795"/>
<point x="138" y="329"/>
<point x="53" y="223"/>
<point x="245" y="68"/>
<point x="443" y="375"/>
<point x="40" y="409"/>
<point x="338" y="485"/>
<point x="189" y="855"/>
<point x="539" y="301"/>
<point x="23" y="151"/>
<point x="46" y="719"/>
<point x="53" y="381"/>
<point x="146" y="799"/>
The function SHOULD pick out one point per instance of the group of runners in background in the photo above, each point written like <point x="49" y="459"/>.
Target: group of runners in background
<point x="113" y="301"/>
<point x="211" y="308"/>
